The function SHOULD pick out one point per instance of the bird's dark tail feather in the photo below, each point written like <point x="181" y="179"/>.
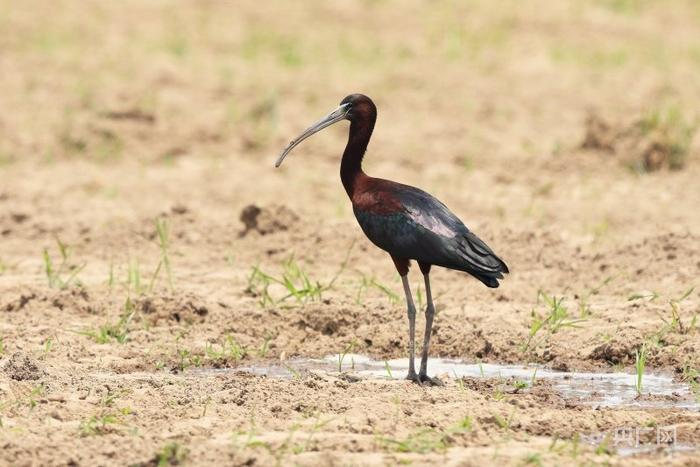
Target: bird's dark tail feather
<point x="489" y="281"/>
<point x="481" y="262"/>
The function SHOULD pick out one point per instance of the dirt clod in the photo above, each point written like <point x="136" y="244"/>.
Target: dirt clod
<point x="599" y="135"/>
<point x="615" y="352"/>
<point x="645" y="143"/>
<point x="20" y="302"/>
<point x="184" y="308"/>
<point x="267" y="220"/>
<point x="22" y="367"/>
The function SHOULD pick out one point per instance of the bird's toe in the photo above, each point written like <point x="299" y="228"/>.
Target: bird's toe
<point x="426" y="380"/>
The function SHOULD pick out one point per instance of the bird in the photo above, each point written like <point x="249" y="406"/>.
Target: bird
<point x="404" y="221"/>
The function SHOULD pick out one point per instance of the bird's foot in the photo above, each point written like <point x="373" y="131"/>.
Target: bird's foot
<point x="424" y="380"/>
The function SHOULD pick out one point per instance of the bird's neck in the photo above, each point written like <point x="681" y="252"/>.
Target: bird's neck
<point x="351" y="166"/>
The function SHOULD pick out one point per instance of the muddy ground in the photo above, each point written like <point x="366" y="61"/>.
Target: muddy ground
<point x="144" y="229"/>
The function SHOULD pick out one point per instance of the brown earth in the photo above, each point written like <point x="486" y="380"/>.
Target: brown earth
<point x="561" y="132"/>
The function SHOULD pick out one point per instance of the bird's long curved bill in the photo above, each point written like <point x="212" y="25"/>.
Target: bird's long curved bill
<point x="337" y="115"/>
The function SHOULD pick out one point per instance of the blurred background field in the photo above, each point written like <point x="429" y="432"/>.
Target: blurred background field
<point x="462" y="87"/>
<point x="563" y="132"/>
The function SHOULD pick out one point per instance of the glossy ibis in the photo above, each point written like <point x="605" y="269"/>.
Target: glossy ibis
<point x="404" y="221"/>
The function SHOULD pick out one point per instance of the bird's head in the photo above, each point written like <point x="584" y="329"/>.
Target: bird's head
<point x="355" y="107"/>
<point x="359" y="108"/>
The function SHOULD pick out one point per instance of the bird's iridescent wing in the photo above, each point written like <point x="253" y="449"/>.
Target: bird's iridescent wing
<point x="424" y="229"/>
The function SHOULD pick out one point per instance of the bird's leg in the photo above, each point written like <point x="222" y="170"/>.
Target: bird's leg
<point x="429" y="315"/>
<point x="411" y="330"/>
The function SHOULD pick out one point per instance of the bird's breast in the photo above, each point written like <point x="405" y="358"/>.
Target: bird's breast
<point x="377" y="202"/>
<point x="387" y="231"/>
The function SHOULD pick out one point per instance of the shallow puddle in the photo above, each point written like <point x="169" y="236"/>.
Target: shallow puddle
<point x="595" y="389"/>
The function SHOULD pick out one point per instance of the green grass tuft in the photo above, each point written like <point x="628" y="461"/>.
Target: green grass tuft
<point x="556" y="318"/>
<point x="229" y="350"/>
<point x="118" y="331"/>
<point x="64" y="274"/>
<point x="171" y="454"/>
<point x="295" y="281"/>
<point x="426" y="440"/>
<point x="639" y="365"/>
<point x="672" y="131"/>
